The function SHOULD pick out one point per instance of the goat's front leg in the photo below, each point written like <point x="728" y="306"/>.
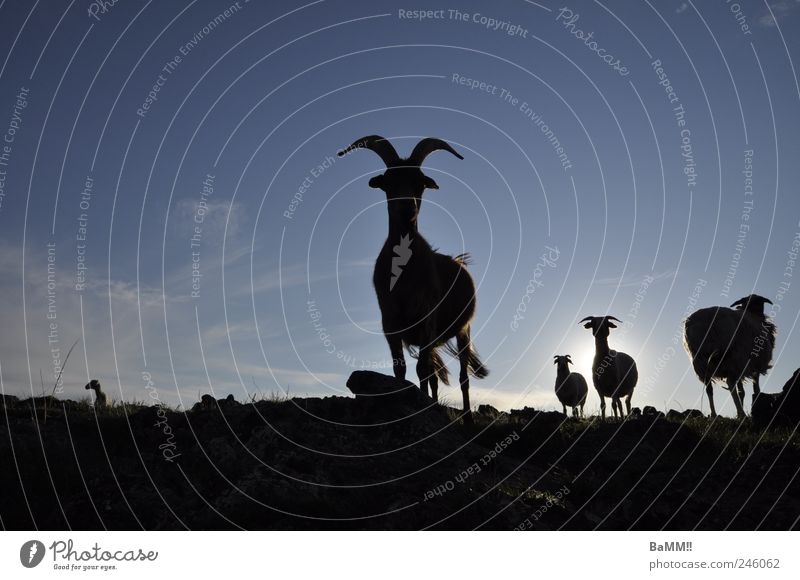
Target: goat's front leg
<point x="398" y="360"/>
<point x="424" y="369"/>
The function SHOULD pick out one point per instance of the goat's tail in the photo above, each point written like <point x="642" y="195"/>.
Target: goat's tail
<point x="475" y="365"/>
<point x="439" y="368"/>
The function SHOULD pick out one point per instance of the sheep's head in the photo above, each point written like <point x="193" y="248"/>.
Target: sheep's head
<point x="94" y="384"/>
<point x="753" y="303"/>
<point x="562" y="359"/>
<point x="403" y="182"/>
<point x="600" y="325"/>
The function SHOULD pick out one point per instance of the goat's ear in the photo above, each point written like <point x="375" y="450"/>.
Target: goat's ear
<point x="611" y="324"/>
<point x="429" y="183"/>
<point x="588" y="325"/>
<point x="376" y="182"/>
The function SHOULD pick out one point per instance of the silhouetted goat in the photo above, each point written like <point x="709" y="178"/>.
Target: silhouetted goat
<point x="426" y="298"/>
<point x="571" y="388"/>
<point x="614" y="374"/>
<point x="731" y="345"/>
<point x="100" y="399"/>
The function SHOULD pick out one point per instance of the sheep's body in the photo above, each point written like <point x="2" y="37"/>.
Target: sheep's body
<point x="100" y="399"/>
<point x="426" y="299"/>
<point x="571" y="388"/>
<point x="730" y="345"/>
<point x="614" y="374"/>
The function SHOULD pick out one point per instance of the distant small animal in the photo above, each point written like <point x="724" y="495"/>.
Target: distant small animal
<point x="571" y="388"/>
<point x="100" y="399"/>
<point x="614" y="374"/>
<point x="731" y="344"/>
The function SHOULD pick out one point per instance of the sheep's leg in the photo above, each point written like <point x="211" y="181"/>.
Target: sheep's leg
<point x="628" y="403"/>
<point x="398" y="360"/>
<point x="710" y="395"/>
<point x="464" y="349"/>
<point x="732" y="385"/>
<point x="602" y="406"/>
<point x="564" y="409"/>
<point x="581" y="413"/>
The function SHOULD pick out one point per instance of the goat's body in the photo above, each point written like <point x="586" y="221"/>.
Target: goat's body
<point x="430" y="303"/>
<point x="571" y="390"/>
<point x="731" y="346"/>
<point x="614" y="374"/>
<point x="420" y="309"/>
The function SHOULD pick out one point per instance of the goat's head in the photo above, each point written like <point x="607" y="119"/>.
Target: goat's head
<point x="600" y="325"/>
<point x="562" y="359"/>
<point x="752" y="303"/>
<point x="403" y="182"/>
<point x="94" y="384"/>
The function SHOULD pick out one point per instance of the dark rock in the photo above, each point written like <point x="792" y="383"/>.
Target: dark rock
<point x="380" y="389"/>
<point x="489" y="411"/>
<point x="649" y="411"/>
<point x="636" y="412"/>
<point x="7" y="401"/>
<point x="692" y="414"/>
<point x="673" y="415"/>
<point x="778" y="409"/>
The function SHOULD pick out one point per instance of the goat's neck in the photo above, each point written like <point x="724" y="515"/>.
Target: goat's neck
<point x="601" y="345"/>
<point x="401" y="228"/>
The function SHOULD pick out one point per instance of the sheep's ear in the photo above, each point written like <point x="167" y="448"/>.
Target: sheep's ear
<point x="588" y="325"/>
<point x="429" y="183"/>
<point x="611" y="324"/>
<point x="376" y="182"/>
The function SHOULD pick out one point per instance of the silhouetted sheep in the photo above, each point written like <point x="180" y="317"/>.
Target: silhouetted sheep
<point x="100" y="399"/>
<point x="426" y="298"/>
<point x="779" y="409"/>
<point x="571" y="388"/>
<point x="731" y="345"/>
<point x="614" y="374"/>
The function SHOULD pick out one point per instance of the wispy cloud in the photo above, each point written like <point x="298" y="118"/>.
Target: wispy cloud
<point x="631" y="280"/>
<point x="778" y="10"/>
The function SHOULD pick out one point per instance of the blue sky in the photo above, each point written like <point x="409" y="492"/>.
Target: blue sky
<point x="637" y="215"/>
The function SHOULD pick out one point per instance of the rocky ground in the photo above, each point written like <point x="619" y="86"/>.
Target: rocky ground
<point x="386" y="462"/>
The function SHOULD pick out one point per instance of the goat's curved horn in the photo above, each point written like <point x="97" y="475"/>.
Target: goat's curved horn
<point x="379" y="145"/>
<point x="614" y="318"/>
<point x="428" y="146"/>
<point x="588" y="318"/>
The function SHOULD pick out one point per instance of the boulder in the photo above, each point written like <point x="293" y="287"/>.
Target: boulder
<point x="779" y="409"/>
<point x="379" y="389"/>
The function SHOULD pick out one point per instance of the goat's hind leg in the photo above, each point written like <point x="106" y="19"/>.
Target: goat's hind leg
<point x="464" y="350"/>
